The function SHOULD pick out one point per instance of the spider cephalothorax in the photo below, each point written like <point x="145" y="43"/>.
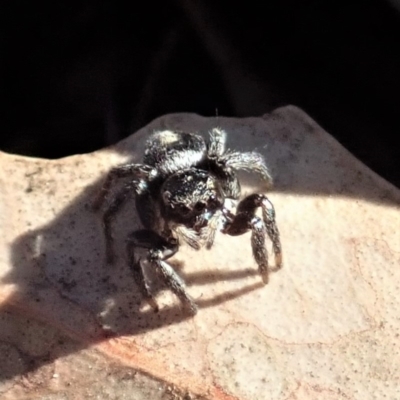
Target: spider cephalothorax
<point x="182" y="189"/>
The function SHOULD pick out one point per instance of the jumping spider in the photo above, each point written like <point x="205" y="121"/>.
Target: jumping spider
<point x="182" y="192"/>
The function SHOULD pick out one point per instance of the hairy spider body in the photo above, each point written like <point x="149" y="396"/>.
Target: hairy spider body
<point x="182" y="191"/>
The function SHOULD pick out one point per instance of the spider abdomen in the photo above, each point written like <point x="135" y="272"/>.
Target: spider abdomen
<point x="170" y="152"/>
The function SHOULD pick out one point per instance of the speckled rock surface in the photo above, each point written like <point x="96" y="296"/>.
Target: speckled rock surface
<point x="326" y="326"/>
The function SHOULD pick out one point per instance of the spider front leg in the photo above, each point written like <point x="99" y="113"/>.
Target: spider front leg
<point x="159" y="250"/>
<point x="246" y="219"/>
<point x="251" y="161"/>
<point x="112" y="209"/>
<point x="137" y="171"/>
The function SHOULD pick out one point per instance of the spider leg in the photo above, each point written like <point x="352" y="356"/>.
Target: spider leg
<point x="268" y="213"/>
<point x="216" y="148"/>
<point x="109" y="215"/>
<point x="138" y="171"/>
<point x="159" y="250"/>
<point x="250" y="161"/>
<point x="246" y="219"/>
<point x="190" y="236"/>
<point x="139" y="276"/>
<point x="208" y="233"/>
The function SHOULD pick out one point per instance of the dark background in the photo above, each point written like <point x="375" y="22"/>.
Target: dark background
<point x="76" y="77"/>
